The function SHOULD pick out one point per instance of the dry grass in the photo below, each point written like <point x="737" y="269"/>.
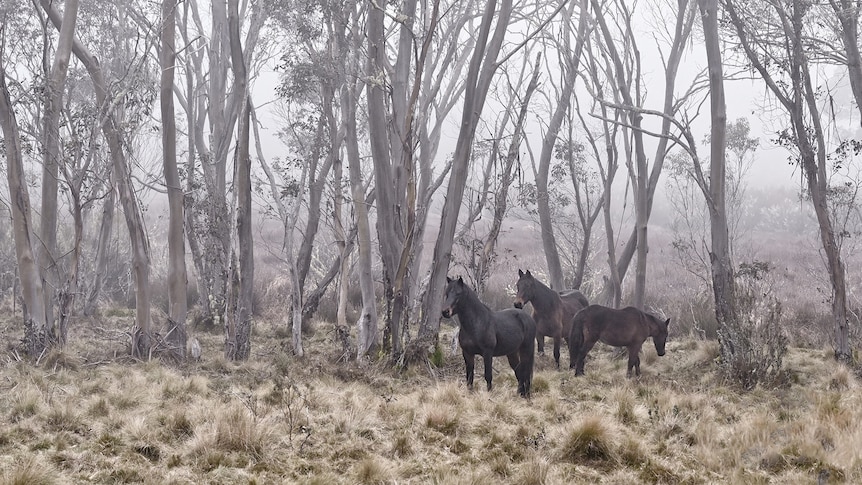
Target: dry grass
<point x="89" y="417"/>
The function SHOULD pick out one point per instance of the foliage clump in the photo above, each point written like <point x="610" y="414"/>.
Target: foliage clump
<point x="753" y="344"/>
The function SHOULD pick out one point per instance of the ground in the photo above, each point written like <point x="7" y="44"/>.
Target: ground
<point x="89" y="414"/>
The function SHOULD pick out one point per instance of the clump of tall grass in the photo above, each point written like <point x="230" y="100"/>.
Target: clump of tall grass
<point x="29" y="471"/>
<point x="589" y="441"/>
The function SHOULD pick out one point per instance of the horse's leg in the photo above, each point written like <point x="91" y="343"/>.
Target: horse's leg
<point x="469" y="363"/>
<point x="488" y="357"/>
<point x="515" y="364"/>
<point x="582" y="356"/>
<point x="557" y="340"/>
<point x="634" y="360"/>
<point x="540" y="343"/>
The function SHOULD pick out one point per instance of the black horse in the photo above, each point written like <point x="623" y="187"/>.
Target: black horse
<point x="488" y="333"/>
<point x="628" y="327"/>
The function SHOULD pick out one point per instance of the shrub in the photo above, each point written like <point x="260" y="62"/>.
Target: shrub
<point x="754" y="344"/>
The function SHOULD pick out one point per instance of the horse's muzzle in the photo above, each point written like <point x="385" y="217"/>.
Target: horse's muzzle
<point x="447" y="313"/>
<point x="519" y="305"/>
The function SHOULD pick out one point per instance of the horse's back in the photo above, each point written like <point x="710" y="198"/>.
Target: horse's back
<point x="614" y="327"/>
<point x="514" y="318"/>
<point x="574" y="299"/>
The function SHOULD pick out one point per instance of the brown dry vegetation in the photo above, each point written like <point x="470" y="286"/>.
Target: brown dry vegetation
<point x="87" y="415"/>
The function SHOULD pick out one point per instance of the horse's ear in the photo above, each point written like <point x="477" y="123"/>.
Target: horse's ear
<point x="528" y="274"/>
<point x="448" y="279"/>
<point x="520" y="273"/>
<point x="667" y="322"/>
<point x="460" y="280"/>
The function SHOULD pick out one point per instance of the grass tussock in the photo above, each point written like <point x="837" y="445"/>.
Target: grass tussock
<point x="31" y="471"/>
<point x="281" y="419"/>
<point x="589" y="441"/>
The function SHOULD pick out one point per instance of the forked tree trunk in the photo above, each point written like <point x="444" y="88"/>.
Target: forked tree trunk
<point x="391" y="240"/>
<point x="570" y="67"/>
<point x="645" y="182"/>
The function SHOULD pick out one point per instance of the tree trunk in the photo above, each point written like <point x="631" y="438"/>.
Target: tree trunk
<point x="37" y="333"/>
<point x="799" y="100"/>
<point x="367" y="340"/>
<point x="723" y="285"/>
<point x="391" y="242"/>
<point x="645" y="182"/>
<point x="105" y="228"/>
<point x="549" y="241"/>
<point x="847" y="12"/>
<point x="177" y="278"/>
<point x="239" y="346"/>
<point x="53" y="98"/>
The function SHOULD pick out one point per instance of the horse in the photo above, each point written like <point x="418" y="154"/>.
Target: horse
<point x="628" y="327"/>
<point x="491" y="334"/>
<point x="552" y="310"/>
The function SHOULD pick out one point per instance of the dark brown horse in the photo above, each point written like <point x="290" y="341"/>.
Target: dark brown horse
<point x="490" y="334"/>
<point x="553" y="311"/>
<point x="628" y="327"/>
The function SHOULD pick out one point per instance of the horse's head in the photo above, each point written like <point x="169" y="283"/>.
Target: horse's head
<point x="658" y="331"/>
<point x="454" y="288"/>
<point x="525" y="288"/>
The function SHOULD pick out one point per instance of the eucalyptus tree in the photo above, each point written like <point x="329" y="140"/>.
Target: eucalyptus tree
<point x="569" y="61"/>
<point x="408" y="100"/>
<point x="497" y="177"/>
<point x="311" y="74"/>
<point x="177" y="276"/>
<point x="110" y="117"/>
<point x="349" y="42"/>
<point x="36" y="325"/>
<point x="604" y="142"/>
<point x="53" y="97"/>
<point x="621" y="48"/>
<point x="483" y="65"/>
<point x="212" y="101"/>
<point x="788" y="72"/>
<point x="238" y="328"/>
<point x="847" y="13"/>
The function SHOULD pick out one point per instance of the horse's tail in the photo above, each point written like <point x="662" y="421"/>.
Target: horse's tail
<point x="529" y="325"/>
<point x="576" y="336"/>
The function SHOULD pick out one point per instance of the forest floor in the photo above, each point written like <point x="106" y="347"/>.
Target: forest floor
<point x="90" y="414"/>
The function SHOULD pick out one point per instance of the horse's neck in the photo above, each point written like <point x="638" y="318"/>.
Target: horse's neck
<point x="473" y="314"/>
<point x="544" y="298"/>
<point x="651" y="325"/>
